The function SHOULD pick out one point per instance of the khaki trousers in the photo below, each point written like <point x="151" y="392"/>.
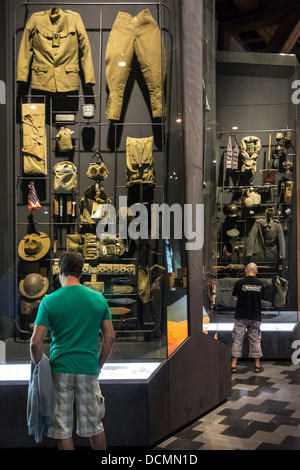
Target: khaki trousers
<point x="140" y="35"/>
<point x="34" y="139"/>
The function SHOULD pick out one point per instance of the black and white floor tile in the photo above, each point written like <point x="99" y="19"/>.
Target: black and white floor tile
<point x="262" y="413"/>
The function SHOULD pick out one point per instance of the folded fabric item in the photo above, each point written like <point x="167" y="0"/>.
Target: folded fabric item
<point x="34" y="139"/>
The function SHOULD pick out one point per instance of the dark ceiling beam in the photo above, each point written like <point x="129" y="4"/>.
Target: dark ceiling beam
<point x="251" y="21"/>
<point x="286" y="35"/>
<point x="266" y="33"/>
<point x="246" y="5"/>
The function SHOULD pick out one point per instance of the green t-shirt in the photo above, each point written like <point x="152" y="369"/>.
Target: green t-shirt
<point x="74" y="315"/>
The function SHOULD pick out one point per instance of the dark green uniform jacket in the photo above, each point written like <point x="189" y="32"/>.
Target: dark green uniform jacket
<point x="266" y="241"/>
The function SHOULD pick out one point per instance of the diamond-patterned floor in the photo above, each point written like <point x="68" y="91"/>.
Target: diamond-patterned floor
<point x="262" y="413"/>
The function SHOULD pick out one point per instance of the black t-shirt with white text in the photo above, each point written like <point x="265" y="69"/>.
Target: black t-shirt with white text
<point x="249" y="292"/>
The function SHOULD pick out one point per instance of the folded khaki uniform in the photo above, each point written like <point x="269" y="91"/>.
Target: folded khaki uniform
<point x="34" y="139"/>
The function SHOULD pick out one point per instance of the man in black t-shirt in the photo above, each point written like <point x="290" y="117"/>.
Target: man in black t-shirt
<point x="249" y="292"/>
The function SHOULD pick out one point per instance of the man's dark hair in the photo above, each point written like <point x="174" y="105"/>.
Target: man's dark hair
<point x="71" y="263"/>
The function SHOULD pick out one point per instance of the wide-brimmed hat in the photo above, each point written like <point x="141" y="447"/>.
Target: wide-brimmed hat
<point x="34" y="246"/>
<point x="33" y="286"/>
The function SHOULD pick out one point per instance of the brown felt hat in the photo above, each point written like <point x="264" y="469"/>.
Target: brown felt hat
<point x="34" y="246"/>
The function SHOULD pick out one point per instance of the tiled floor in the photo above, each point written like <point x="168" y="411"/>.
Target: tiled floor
<point x="262" y="413"/>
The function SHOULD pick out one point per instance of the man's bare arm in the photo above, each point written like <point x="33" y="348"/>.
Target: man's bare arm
<point x="108" y="341"/>
<point x="36" y="343"/>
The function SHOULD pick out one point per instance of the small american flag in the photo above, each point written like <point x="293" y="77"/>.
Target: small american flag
<point x="33" y="200"/>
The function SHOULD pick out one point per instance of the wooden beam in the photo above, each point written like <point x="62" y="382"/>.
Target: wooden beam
<point x="267" y="17"/>
<point x="246" y="5"/>
<point x="266" y="33"/>
<point x="286" y="35"/>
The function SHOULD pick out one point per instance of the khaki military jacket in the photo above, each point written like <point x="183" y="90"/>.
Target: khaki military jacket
<point x="51" y="45"/>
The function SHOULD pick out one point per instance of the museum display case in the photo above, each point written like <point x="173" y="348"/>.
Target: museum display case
<point x="97" y="144"/>
<point x="252" y="175"/>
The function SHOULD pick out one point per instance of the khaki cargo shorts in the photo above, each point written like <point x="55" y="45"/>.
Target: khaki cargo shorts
<point x="90" y="407"/>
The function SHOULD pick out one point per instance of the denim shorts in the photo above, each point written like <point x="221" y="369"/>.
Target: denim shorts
<point x="89" y="402"/>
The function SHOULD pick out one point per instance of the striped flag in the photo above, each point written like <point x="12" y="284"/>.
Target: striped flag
<point x="33" y="200"/>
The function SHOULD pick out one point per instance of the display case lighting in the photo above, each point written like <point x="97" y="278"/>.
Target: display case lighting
<point x="110" y="371"/>
<point x="264" y="327"/>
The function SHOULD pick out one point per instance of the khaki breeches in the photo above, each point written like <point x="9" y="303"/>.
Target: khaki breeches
<point x="138" y="35"/>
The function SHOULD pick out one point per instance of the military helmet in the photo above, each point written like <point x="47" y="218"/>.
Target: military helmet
<point x="232" y="210"/>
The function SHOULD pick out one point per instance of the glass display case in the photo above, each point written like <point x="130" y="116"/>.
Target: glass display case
<point x="92" y="158"/>
<point x="251" y="167"/>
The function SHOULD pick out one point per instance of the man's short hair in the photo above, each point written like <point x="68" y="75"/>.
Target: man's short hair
<point x="71" y="264"/>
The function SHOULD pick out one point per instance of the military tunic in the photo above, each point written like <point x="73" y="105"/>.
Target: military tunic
<point x="51" y="45"/>
<point x="266" y="241"/>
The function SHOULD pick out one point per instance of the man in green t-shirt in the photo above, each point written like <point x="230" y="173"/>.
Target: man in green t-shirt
<point x="75" y="314"/>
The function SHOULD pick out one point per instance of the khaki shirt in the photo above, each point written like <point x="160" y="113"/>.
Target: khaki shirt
<point x="51" y="44"/>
